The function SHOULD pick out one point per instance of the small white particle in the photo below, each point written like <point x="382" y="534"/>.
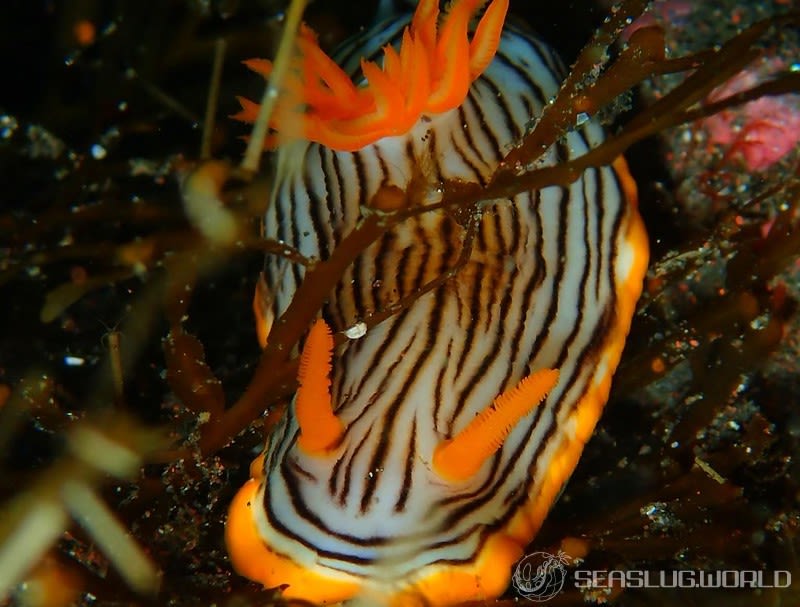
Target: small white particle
<point x="357" y="331"/>
<point x="8" y="125"/>
<point x="98" y="151"/>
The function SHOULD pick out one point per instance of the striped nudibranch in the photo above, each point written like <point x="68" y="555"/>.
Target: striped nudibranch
<point x="398" y="473"/>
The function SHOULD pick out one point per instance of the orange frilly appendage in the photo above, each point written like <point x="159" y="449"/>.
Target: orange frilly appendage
<point x="463" y="455"/>
<point x="430" y="74"/>
<point x="320" y="429"/>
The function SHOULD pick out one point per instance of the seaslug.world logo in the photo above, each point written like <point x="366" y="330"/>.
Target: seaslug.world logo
<point x="540" y="576"/>
<point x="682" y="578"/>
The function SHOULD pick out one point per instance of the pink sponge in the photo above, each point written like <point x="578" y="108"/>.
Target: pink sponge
<point x="760" y="132"/>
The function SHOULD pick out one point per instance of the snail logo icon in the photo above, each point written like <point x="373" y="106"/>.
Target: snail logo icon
<point x="540" y="575"/>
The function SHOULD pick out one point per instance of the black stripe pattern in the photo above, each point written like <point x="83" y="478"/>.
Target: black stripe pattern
<point x="537" y="292"/>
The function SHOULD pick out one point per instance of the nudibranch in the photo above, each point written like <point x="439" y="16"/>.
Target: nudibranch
<point x="398" y="473"/>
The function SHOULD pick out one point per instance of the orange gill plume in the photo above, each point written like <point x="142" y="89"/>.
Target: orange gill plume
<point x="430" y="74"/>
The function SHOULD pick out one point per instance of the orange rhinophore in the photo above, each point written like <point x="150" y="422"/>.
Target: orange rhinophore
<point x="461" y="457"/>
<point x="319" y="427"/>
<point x="429" y="74"/>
